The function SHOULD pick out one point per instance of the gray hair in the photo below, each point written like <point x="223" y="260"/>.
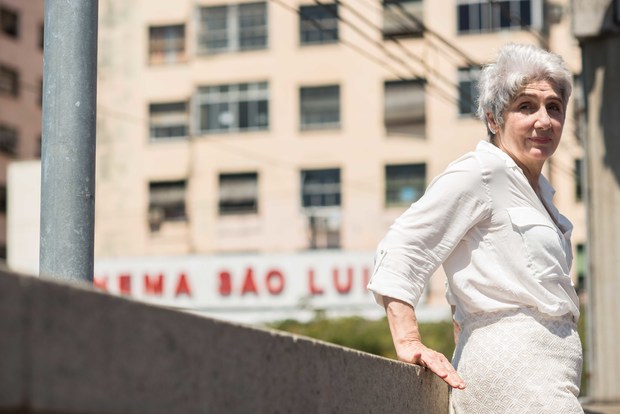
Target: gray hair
<point x="515" y="67"/>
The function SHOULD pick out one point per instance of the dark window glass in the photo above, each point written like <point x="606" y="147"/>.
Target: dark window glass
<point x="166" y="202"/>
<point x="238" y="193"/>
<point x="9" y="22"/>
<point x="168" y="120"/>
<point x="404" y="108"/>
<point x="318" y="24"/>
<point x="232" y="108"/>
<point x="320" y="107"/>
<point x="404" y="184"/>
<point x="320" y="188"/>
<point x="468" y="90"/>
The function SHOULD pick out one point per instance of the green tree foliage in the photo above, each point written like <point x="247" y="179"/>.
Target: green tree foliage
<point x="372" y="336"/>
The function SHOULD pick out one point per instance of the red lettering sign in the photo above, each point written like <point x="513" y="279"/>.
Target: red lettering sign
<point x="366" y="277"/>
<point x="182" y="286"/>
<point x="225" y="287"/>
<point x="346" y="287"/>
<point x="312" y="288"/>
<point x="153" y="285"/>
<point x="124" y="284"/>
<point x="249" y="286"/>
<point x="275" y="282"/>
<point x="100" y="283"/>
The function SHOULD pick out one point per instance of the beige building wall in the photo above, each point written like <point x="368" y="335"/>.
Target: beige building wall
<point x="360" y="147"/>
<point x="21" y="76"/>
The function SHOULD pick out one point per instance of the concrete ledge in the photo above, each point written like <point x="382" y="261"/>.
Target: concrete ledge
<point x="66" y="349"/>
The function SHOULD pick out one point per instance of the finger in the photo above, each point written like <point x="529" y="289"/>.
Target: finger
<point x="444" y="369"/>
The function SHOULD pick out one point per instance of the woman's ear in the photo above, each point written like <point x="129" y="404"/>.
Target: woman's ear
<point x="492" y="125"/>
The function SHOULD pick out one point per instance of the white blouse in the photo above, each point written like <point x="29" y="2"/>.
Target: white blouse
<point x="499" y="246"/>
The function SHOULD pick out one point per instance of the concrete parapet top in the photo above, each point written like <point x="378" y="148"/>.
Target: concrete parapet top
<point x="68" y="349"/>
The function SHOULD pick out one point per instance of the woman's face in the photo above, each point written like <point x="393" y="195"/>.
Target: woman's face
<point x="533" y="124"/>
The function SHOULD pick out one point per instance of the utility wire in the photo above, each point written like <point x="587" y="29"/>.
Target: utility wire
<point x="440" y="93"/>
<point x="470" y="61"/>
<point x="407" y="52"/>
<point x="357" y="49"/>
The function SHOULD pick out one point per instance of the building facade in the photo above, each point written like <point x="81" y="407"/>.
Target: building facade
<point x="21" y="78"/>
<point x="255" y="153"/>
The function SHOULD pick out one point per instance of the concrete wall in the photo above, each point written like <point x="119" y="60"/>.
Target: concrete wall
<point x="66" y="349"/>
<point x="599" y="35"/>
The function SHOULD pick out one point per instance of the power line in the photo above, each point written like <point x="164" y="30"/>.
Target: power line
<point x="317" y="24"/>
<point x="407" y="52"/>
<point x="357" y="49"/>
<point x="442" y="39"/>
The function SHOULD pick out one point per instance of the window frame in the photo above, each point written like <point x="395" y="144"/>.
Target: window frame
<point x="233" y="96"/>
<point x="318" y="24"/>
<point x="10" y="76"/>
<point x="415" y="126"/>
<point x="10" y="29"/>
<point x="307" y="111"/>
<point x="228" y="208"/>
<point x="323" y="182"/>
<point x="468" y="85"/>
<point x="397" y="24"/>
<point x="167" y="43"/>
<point x="232" y="28"/>
<point x="398" y="176"/>
<point x="485" y="17"/>
<point x="9" y="139"/>
<point x="171" y="211"/>
<point x="155" y="124"/>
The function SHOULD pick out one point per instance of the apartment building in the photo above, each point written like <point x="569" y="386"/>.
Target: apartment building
<point x="21" y="77"/>
<point x="250" y="155"/>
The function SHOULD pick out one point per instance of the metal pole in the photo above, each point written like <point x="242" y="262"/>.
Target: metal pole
<point x="68" y="148"/>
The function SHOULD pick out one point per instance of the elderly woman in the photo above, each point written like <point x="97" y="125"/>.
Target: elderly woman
<point x="505" y="248"/>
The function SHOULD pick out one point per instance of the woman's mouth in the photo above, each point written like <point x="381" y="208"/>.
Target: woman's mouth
<point x="540" y="140"/>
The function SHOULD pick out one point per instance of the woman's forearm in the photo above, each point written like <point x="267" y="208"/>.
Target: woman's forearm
<point x="408" y="343"/>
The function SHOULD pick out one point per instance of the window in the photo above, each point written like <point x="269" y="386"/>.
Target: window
<point x="581" y="267"/>
<point x="168" y="120"/>
<point x="402" y="18"/>
<point x="238" y="193"/>
<point x="404" y="111"/>
<point x="233" y="28"/>
<point x="8" y="140"/>
<point x="166" y="202"/>
<point x="9" y="22"/>
<point x="404" y="184"/>
<point x="166" y="44"/>
<point x="579" y="179"/>
<point x="9" y="81"/>
<point x="232" y="108"/>
<point x="3" y="198"/>
<point x="320" y="197"/>
<point x="320" y="107"/>
<point x="318" y="24"/>
<point x="476" y="16"/>
<point x="320" y="188"/>
<point x="468" y="90"/>
<point x="41" y="36"/>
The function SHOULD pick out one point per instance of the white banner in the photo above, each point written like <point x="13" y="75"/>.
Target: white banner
<point x="247" y="288"/>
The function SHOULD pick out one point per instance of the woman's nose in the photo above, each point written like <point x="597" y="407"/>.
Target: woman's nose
<point x="543" y="120"/>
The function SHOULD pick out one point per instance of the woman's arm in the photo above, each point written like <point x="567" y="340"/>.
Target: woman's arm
<point x="409" y="348"/>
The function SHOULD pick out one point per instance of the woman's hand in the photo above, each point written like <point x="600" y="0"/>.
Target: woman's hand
<point x="409" y="347"/>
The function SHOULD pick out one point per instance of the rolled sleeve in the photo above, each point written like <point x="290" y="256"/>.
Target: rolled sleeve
<point x="423" y="237"/>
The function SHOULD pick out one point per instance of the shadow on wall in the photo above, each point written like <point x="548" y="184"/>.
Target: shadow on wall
<point x="607" y="59"/>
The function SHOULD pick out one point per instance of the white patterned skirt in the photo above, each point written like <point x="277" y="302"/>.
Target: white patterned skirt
<point x="518" y="361"/>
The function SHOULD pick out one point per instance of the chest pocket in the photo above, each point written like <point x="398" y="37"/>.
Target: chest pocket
<point x="542" y="243"/>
